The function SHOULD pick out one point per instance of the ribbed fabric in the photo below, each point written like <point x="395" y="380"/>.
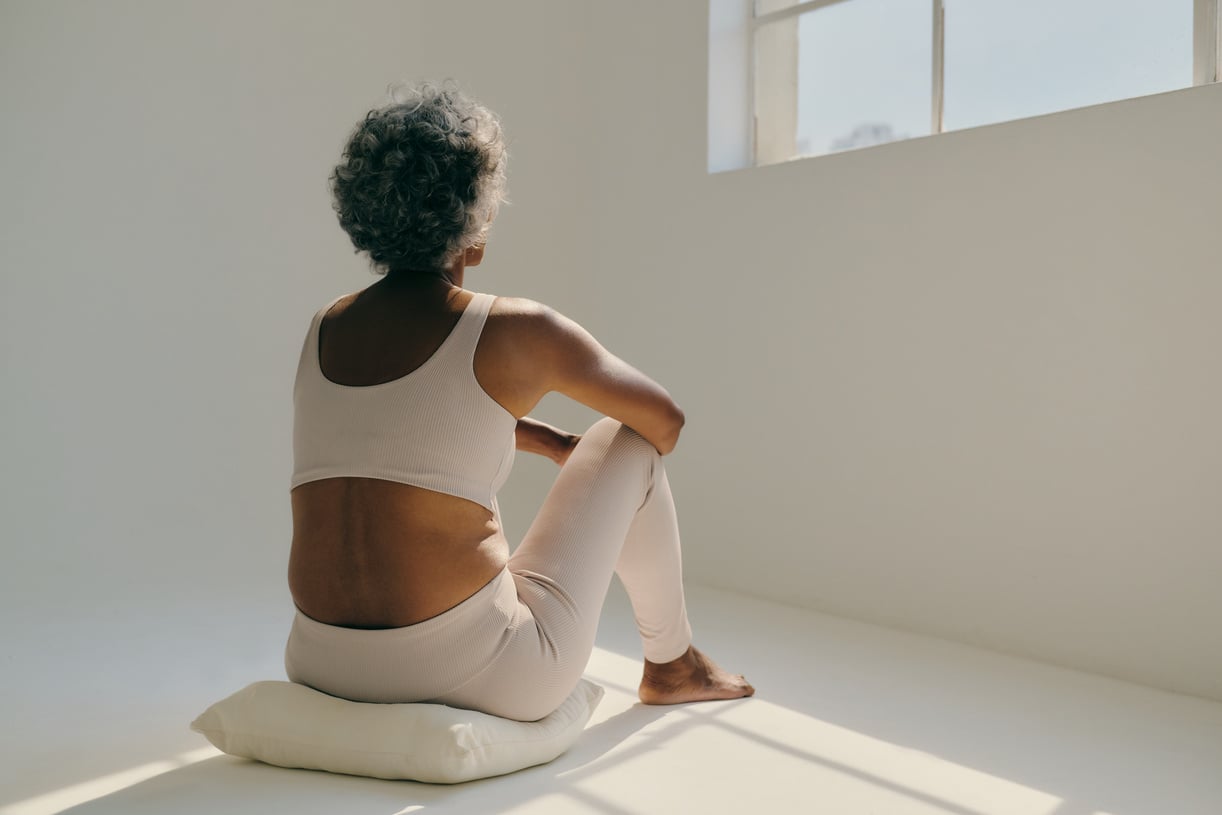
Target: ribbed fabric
<point x="518" y="646"/>
<point x="434" y="428"/>
<point x="428" y="660"/>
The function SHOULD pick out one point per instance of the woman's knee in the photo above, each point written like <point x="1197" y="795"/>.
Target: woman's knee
<point x="604" y="427"/>
<point x="616" y="434"/>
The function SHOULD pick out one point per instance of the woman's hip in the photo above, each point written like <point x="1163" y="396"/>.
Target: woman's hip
<point x="413" y="663"/>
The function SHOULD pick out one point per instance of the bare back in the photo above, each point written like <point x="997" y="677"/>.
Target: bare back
<point x="370" y="553"/>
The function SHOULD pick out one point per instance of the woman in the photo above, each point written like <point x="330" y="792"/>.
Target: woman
<point x="410" y="399"/>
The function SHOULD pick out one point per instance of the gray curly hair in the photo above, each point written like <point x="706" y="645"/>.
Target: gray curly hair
<point x="421" y="178"/>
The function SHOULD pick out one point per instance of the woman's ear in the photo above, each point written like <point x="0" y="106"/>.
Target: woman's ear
<point x="473" y="255"/>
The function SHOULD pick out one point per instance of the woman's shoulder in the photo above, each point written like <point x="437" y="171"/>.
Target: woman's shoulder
<point x="532" y="326"/>
<point x="518" y="308"/>
<point x="522" y="315"/>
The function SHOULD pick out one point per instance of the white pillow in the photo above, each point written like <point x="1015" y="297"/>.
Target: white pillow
<point x="291" y="725"/>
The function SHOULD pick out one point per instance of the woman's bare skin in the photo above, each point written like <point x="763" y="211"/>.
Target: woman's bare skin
<point x="369" y="553"/>
<point x="692" y="677"/>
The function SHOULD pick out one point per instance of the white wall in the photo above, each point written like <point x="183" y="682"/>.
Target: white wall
<point x="165" y="236"/>
<point x="965" y="385"/>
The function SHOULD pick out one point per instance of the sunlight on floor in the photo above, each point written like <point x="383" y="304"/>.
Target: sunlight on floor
<point x="772" y="748"/>
<point x="775" y="745"/>
<point x="856" y="719"/>
<point x="59" y="800"/>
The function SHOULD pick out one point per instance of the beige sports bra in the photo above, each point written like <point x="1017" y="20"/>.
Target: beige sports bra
<point x="434" y="427"/>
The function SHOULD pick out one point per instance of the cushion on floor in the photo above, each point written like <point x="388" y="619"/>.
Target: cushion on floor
<point x="291" y="725"/>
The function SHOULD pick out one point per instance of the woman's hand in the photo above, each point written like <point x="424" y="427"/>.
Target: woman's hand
<point x="563" y="455"/>
<point x="533" y="436"/>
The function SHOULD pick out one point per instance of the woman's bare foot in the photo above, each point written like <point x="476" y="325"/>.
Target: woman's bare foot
<point x="692" y="677"/>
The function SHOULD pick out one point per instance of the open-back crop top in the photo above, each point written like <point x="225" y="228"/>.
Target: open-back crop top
<point x="434" y="427"/>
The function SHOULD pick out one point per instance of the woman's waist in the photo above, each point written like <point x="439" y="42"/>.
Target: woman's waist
<point x="361" y="608"/>
<point x="389" y="569"/>
<point x="389" y="597"/>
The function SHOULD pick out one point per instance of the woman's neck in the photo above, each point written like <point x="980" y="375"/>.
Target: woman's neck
<point x="451" y="275"/>
<point x="421" y="280"/>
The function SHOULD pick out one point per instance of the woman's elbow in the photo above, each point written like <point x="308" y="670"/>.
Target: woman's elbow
<point x="675" y="423"/>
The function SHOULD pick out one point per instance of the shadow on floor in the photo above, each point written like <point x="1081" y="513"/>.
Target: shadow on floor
<point x="848" y="717"/>
<point x="234" y="785"/>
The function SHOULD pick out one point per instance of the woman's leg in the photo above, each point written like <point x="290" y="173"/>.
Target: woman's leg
<point x="610" y="510"/>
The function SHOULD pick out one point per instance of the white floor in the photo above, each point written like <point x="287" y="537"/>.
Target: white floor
<point x="849" y="718"/>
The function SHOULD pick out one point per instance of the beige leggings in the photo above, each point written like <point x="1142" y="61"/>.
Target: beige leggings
<point x="517" y="647"/>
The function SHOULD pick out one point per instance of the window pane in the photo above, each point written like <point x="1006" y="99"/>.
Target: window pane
<point x="864" y="74"/>
<point x="1007" y="59"/>
<point x="776" y="91"/>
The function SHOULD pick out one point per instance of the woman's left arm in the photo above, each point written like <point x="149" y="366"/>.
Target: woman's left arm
<point x="533" y="436"/>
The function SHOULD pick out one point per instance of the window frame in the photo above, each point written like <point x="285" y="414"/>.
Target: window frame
<point x="1206" y="63"/>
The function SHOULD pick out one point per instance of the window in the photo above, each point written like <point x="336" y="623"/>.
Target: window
<point x="831" y="75"/>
